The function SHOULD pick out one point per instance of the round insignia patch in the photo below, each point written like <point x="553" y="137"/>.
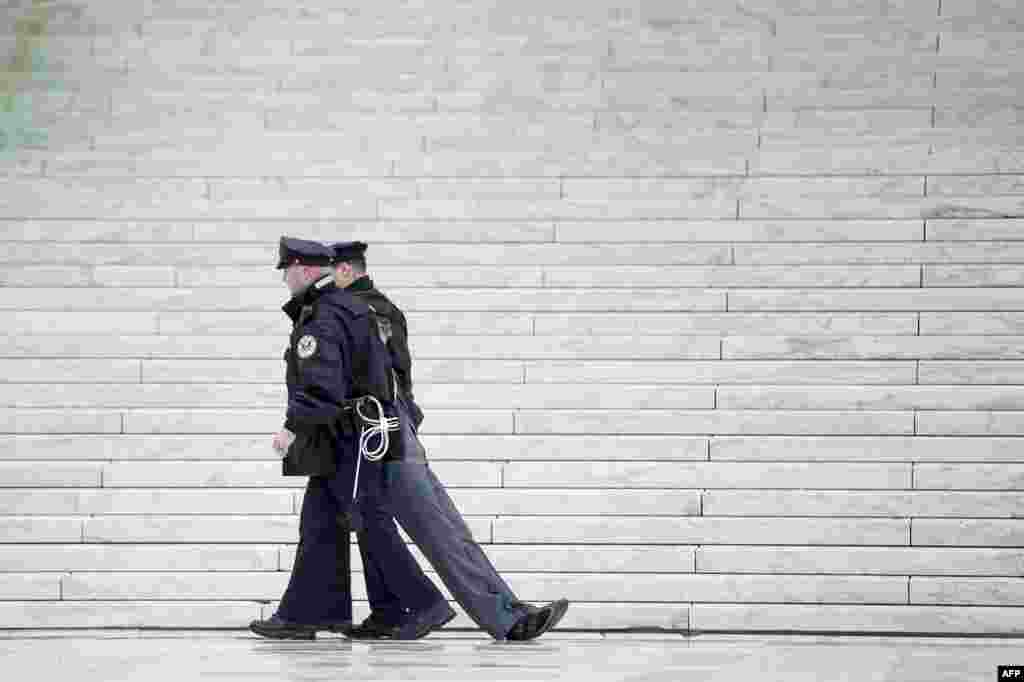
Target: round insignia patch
<point x="306" y="346"/>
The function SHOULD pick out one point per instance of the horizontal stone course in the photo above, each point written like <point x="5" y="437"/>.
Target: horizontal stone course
<point x="716" y="312"/>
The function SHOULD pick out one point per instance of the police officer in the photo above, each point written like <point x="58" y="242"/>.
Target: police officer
<point x="334" y="359"/>
<point x="419" y="501"/>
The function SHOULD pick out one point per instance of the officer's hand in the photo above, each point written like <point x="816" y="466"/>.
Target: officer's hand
<point x="283" y="439"/>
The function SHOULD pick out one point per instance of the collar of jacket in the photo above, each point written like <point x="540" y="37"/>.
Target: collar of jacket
<point x="293" y="308"/>
<point x="364" y="283"/>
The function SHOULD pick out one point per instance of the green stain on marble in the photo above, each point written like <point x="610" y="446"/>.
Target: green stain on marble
<point x="25" y="72"/>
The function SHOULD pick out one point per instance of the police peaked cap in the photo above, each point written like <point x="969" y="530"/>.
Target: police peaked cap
<point x="304" y="252"/>
<point x="345" y="251"/>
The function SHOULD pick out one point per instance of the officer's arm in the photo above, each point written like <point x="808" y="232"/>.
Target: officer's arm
<point x="323" y="378"/>
<point x="400" y="348"/>
<point x="403" y="362"/>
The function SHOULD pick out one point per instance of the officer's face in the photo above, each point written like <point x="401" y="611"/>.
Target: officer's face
<point x="294" y="276"/>
<point x="343" y="275"/>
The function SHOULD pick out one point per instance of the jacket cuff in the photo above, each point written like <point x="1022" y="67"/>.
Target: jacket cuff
<point x="310" y="423"/>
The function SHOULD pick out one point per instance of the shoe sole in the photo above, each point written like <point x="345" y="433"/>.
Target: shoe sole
<point x="343" y="630"/>
<point x="305" y="633"/>
<point x="365" y="637"/>
<point x="558" y="611"/>
<point x="285" y="634"/>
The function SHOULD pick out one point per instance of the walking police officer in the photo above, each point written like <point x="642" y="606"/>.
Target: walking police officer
<point x="415" y="496"/>
<point x="334" y="359"/>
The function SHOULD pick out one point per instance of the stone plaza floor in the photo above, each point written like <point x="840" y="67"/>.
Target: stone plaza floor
<point x="156" y="656"/>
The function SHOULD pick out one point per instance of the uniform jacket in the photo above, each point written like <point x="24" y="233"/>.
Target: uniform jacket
<point x="334" y="354"/>
<point x="394" y="332"/>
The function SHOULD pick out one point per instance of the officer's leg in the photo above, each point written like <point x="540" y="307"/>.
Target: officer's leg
<point x="395" y="583"/>
<point x="430" y="518"/>
<point x="319" y="590"/>
<point x="385" y="605"/>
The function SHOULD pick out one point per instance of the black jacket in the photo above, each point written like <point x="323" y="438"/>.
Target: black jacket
<point x="394" y="332"/>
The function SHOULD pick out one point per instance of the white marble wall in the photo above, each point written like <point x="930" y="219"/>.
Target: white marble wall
<point x="717" y="309"/>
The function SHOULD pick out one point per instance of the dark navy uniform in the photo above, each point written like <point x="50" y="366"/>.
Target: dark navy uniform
<point x="420" y="503"/>
<point x="334" y="357"/>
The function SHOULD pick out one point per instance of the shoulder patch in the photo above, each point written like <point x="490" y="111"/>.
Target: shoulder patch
<point x="306" y="347"/>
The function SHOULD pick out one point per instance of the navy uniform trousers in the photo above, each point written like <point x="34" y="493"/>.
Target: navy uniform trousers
<point x="414" y="496"/>
<point x="319" y="590"/>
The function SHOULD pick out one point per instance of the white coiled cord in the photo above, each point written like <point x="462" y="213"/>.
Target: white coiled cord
<point x="379" y="427"/>
<point x="376" y="428"/>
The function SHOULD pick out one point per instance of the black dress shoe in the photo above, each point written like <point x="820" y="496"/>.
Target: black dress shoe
<point x="442" y="615"/>
<point x="536" y="621"/>
<point x="422" y="623"/>
<point x="415" y="625"/>
<point x="277" y="627"/>
<point x="373" y="627"/>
